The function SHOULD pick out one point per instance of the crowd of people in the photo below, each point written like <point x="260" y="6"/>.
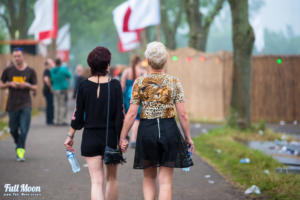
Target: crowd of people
<point x="144" y="101"/>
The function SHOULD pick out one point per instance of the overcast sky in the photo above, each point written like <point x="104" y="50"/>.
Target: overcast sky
<point x="277" y="14"/>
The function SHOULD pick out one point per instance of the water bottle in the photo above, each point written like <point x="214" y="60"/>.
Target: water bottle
<point x="187" y="169"/>
<point x="245" y="160"/>
<point x="73" y="161"/>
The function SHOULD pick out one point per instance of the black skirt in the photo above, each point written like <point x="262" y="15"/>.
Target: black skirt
<point x="160" y="143"/>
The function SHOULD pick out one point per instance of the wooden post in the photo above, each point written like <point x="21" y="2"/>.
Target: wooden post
<point x="53" y="49"/>
<point x="158" y="33"/>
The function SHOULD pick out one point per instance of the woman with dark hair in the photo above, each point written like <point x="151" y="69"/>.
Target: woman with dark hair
<point x="91" y="113"/>
<point x="128" y="77"/>
<point x="160" y="147"/>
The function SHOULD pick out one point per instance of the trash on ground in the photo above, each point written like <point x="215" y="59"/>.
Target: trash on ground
<point x="218" y="151"/>
<point x="295" y="122"/>
<point x="211" y="181"/>
<point x="261" y="132"/>
<point x="6" y="129"/>
<point x="287" y="170"/>
<point x="197" y="125"/>
<point x="283" y="137"/>
<point x="85" y="165"/>
<point x="253" y="189"/>
<point x="245" y="160"/>
<point x="266" y="171"/>
<point x="204" y="130"/>
<point x="207" y="176"/>
<point x="282" y="122"/>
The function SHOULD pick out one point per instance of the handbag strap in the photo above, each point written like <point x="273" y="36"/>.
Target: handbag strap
<point x="107" y="114"/>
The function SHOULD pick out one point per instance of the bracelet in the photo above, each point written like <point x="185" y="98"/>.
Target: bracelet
<point x="71" y="136"/>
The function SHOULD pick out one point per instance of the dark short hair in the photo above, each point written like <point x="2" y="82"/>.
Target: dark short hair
<point x="98" y="60"/>
<point x="58" y="62"/>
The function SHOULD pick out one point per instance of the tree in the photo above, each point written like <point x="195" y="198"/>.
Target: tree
<point x="15" y="16"/>
<point x="243" y="40"/>
<point x="199" y="23"/>
<point x="169" y="29"/>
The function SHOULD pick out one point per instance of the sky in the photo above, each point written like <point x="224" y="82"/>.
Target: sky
<point x="277" y="14"/>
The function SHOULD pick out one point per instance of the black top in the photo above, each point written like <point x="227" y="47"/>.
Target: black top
<point x="46" y="89"/>
<point x="18" y="98"/>
<point x="90" y="112"/>
<point x="78" y="80"/>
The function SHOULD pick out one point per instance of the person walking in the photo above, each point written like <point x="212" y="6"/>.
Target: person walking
<point x="20" y="79"/>
<point x="48" y="91"/>
<point x="91" y="113"/>
<point x="160" y="147"/>
<point x="128" y="77"/>
<point x="60" y="77"/>
<point x="77" y="79"/>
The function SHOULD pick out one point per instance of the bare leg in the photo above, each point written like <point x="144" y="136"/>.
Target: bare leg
<point x="111" y="192"/>
<point x="134" y="130"/>
<point x="165" y="177"/>
<point x="149" y="187"/>
<point x="95" y="165"/>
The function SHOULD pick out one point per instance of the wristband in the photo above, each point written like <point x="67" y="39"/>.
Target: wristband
<point x="71" y="136"/>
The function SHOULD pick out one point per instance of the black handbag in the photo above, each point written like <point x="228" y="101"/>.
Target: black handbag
<point x="111" y="156"/>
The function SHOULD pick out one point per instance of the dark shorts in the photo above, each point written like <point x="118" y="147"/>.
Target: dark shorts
<point x="93" y="141"/>
<point x="160" y="143"/>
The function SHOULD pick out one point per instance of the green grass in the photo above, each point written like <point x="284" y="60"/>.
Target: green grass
<point x="3" y="123"/>
<point x="274" y="186"/>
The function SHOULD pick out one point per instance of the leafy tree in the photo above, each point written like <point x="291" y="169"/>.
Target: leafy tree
<point x="171" y="17"/>
<point x="281" y="43"/>
<point x="16" y="16"/>
<point x="199" y="21"/>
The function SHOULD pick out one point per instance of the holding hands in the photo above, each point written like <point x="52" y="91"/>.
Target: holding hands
<point x="123" y="144"/>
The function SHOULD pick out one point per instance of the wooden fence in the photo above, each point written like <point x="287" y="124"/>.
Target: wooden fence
<point x="207" y="81"/>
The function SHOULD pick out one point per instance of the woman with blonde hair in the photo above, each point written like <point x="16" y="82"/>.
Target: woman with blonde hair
<point x="160" y="147"/>
<point x="128" y="77"/>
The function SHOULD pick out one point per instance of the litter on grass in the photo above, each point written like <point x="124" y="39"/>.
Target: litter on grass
<point x="253" y="189"/>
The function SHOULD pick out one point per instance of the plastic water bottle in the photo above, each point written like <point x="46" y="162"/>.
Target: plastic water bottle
<point x="187" y="169"/>
<point x="73" y="161"/>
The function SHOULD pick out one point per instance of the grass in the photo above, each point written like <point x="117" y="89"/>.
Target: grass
<point x="230" y="141"/>
<point x="3" y="124"/>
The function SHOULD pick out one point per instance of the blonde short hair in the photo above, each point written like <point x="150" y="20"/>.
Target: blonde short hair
<point x="156" y="54"/>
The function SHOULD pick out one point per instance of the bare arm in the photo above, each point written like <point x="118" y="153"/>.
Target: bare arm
<point x="185" y="124"/>
<point x="69" y="140"/>
<point x="128" y="122"/>
<point x="4" y="85"/>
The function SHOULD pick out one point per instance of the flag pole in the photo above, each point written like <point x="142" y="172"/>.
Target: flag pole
<point x="158" y="32"/>
<point x="53" y="48"/>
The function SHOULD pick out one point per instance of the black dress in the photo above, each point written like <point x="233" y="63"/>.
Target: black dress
<point x="90" y="112"/>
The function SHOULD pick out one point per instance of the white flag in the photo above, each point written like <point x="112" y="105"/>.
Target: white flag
<point x="127" y="41"/>
<point x="142" y="13"/>
<point x="44" y="25"/>
<point x="63" y="43"/>
<point x="64" y="38"/>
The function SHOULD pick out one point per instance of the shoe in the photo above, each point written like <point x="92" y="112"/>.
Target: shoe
<point x="21" y="154"/>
